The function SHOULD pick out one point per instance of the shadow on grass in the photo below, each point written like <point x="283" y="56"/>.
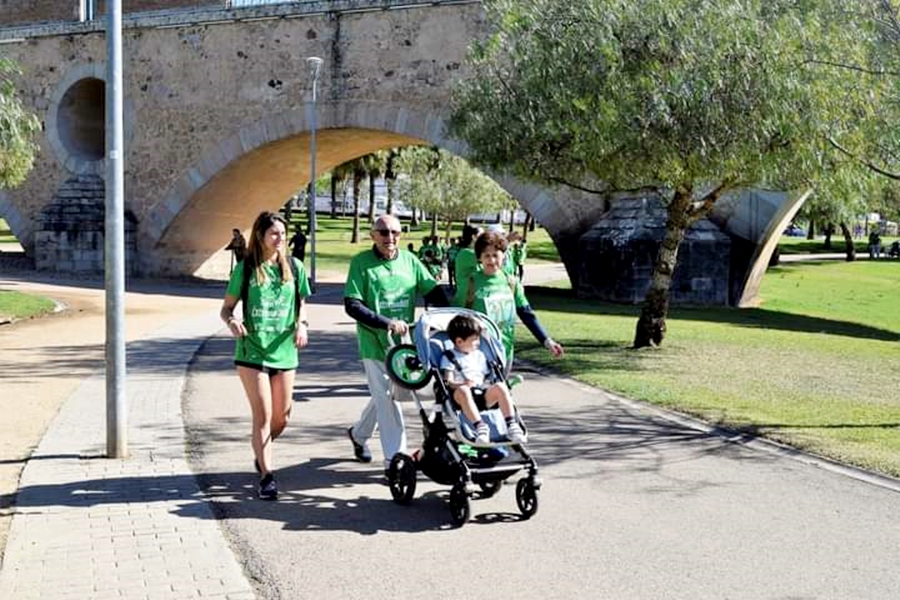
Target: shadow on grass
<point x="554" y="300"/>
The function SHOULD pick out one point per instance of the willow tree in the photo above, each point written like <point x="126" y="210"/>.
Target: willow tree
<point x="687" y="98"/>
<point x="18" y="129"/>
<point x="446" y="187"/>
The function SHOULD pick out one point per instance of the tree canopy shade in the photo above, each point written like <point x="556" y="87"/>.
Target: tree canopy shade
<point x="17" y="131"/>
<point x="688" y="98"/>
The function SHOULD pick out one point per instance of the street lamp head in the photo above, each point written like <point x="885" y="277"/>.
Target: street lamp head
<point x="315" y="64"/>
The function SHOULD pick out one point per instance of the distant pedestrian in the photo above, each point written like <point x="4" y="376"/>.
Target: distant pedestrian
<point x="298" y="245"/>
<point x="466" y="262"/>
<point x="874" y="244"/>
<point x="238" y="247"/>
<point x="272" y="288"/>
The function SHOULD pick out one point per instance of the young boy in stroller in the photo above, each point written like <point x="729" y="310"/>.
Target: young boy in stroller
<point x="453" y="453"/>
<point x="465" y="369"/>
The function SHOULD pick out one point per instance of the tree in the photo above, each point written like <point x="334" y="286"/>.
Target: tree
<point x="685" y="98"/>
<point x="446" y="187"/>
<point x="18" y="130"/>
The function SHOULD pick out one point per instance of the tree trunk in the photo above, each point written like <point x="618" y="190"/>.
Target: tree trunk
<point x="811" y="232"/>
<point x="651" y="326"/>
<point x="389" y="209"/>
<point x="848" y="242"/>
<point x="333" y="196"/>
<point x="434" y="221"/>
<point x="829" y="229"/>
<point x="357" y="180"/>
<point x="527" y="226"/>
<point x="371" y="198"/>
<point x="414" y="221"/>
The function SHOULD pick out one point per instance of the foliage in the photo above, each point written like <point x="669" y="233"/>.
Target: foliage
<point x="689" y="98"/>
<point x="445" y="185"/>
<point x="18" y="129"/>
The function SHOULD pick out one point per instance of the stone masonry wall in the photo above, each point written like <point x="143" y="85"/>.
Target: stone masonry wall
<point x="70" y="235"/>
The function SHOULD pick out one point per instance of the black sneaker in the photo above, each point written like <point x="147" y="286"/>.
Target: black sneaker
<point x="360" y="451"/>
<point x="268" y="489"/>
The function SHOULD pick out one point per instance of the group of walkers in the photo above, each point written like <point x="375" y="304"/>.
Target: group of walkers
<point x="383" y="286"/>
<point x="438" y="257"/>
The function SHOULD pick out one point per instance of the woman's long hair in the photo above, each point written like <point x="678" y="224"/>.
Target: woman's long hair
<point x="256" y="250"/>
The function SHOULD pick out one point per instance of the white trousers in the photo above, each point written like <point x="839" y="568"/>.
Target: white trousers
<point x="381" y="410"/>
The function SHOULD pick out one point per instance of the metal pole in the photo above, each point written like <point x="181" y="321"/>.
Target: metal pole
<point x="86" y="10"/>
<point x="315" y="64"/>
<point x="114" y="245"/>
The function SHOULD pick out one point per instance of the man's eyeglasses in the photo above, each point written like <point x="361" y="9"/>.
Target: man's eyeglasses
<point x="387" y="232"/>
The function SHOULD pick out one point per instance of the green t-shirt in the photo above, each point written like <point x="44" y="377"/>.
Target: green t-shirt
<point x="389" y="288"/>
<point x="271" y="318"/>
<point x="498" y="296"/>
<point x="465" y="264"/>
<point x="519" y="252"/>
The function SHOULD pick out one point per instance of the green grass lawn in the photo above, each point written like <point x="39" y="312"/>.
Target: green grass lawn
<point x="5" y="234"/>
<point x="15" y="305"/>
<point x="799" y="245"/>
<point x="817" y="366"/>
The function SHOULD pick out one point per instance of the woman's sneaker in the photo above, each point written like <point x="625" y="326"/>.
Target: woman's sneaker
<point x="514" y="433"/>
<point x="268" y="489"/>
<point x="482" y="433"/>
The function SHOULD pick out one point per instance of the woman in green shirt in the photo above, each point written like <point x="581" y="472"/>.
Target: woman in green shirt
<point x="500" y="295"/>
<point x="273" y="290"/>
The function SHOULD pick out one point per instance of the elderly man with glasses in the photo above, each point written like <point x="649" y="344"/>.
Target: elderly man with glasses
<point x="382" y="287"/>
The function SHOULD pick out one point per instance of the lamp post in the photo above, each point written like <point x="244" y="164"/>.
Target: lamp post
<point x="315" y="64"/>
<point x="114" y="241"/>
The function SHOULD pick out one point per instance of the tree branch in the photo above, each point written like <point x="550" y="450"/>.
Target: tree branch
<point x="861" y="69"/>
<point x="867" y="163"/>
<point x="576" y="186"/>
<point x="702" y="208"/>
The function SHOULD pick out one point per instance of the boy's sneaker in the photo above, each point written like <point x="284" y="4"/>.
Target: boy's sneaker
<point x="360" y="451"/>
<point x="268" y="489"/>
<point x="482" y="433"/>
<point x="514" y="433"/>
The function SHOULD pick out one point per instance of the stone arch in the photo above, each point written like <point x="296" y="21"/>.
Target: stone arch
<point x="220" y="187"/>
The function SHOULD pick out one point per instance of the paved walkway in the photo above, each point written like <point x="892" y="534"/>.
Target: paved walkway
<point x="87" y="527"/>
<point x="90" y="527"/>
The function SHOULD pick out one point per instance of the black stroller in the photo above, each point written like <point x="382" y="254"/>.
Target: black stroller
<point x="449" y="455"/>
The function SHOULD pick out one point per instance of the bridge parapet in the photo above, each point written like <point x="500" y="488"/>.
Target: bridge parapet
<point x="62" y="19"/>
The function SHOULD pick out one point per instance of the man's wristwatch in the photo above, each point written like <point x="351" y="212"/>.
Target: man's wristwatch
<point x="305" y="323"/>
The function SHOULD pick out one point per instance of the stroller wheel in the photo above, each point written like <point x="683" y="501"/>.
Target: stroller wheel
<point x="527" y="497"/>
<point x="405" y="368"/>
<point x="489" y="488"/>
<point x="460" y="508"/>
<point x="402" y="478"/>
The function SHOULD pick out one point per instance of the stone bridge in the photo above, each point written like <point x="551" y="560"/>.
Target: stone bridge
<point x="217" y="124"/>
